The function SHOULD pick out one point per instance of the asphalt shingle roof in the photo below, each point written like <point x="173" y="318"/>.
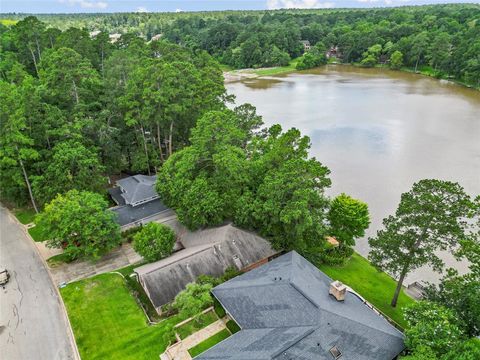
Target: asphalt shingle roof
<point x="138" y="188"/>
<point x="208" y="251"/>
<point x="286" y="312"/>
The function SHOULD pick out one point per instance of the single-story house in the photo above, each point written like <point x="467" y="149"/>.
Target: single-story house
<point x="209" y="251"/>
<point x="288" y="309"/>
<point x="137" y="201"/>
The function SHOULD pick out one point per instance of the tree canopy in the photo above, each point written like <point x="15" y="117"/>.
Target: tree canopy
<point x="80" y="223"/>
<point x="430" y="217"/>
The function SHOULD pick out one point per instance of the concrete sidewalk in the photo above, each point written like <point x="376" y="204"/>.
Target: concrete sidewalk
<point x="179" y="350"/>
<point x="118" y="258"/>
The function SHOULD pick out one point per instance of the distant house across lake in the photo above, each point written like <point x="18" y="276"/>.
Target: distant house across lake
<point x="137" y="201"/>
<point x="306" y="45"/>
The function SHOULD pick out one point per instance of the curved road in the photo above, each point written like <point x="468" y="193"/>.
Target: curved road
<point x="32" y="320"/>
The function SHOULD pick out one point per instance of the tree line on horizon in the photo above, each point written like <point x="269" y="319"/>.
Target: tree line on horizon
<point x="443" y="40"/>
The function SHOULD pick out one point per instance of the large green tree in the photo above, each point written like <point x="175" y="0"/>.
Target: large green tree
<point x="16" y="144"/>
<point x="71" y="166"/>
<point x="430" y="217"/>
<point x="154" y="241"/>
<point x="80" y="224"/>
<point x="432" y="326"/>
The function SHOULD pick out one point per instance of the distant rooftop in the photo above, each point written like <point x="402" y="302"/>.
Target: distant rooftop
<point x="138" y="189"/>
<point x="285" y="312"/>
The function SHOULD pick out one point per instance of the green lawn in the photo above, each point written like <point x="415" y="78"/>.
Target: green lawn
<point x="376" y="287"/>
<point x="25" y="216"/>
<point x="195" y="325"/>
<point x="207" y="344"/>
<point x="37" y="234"/>
<point x="107" y="322"/>
<point x="8" y="22"/>
<point x="277" y="70"/>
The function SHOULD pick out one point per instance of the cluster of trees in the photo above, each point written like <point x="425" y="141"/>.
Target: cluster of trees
<point x="442" y="37"/>
<point x="435" y="215"/>
<point x="76" y="108"/>
<point x="262" y="179"/>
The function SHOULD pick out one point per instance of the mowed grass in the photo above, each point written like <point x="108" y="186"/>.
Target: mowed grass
<point x="193" y="326"/>
<point x="25" y="216"/>
<point x="208" y="343"/>
<point x="278" y="69"/>
<point x="37" y="234"/>
<point x="376" y="287"/>
<point x="108" y="323"/>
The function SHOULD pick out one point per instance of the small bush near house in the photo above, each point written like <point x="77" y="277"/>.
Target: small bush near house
<point x="193" y="299"/>
<point x="232" y="326"/>
<point x="154" y="241"/>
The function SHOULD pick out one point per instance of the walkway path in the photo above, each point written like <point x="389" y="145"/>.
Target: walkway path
<point x="179" y="351"/>
<point x="120" y="257"/>
<point x="33" y="324"/>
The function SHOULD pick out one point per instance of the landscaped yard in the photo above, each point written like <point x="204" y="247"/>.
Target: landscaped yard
<point x="108" y="323"/>
<point x="376" y="287"/>
<point x="207" y="344"/>
<point x="195" y="325"/>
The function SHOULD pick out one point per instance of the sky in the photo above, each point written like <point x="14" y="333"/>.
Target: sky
<point x="85" y="6"/>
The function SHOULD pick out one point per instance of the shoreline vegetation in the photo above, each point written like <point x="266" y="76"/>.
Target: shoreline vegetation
<point x="235" y="75"/>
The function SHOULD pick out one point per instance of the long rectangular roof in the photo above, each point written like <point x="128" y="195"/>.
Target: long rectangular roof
<point x="209" y="251"/>
<point x="285" y="312"/>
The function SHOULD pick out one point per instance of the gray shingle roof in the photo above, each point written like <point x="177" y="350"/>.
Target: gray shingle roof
<point x="128" y="214"/>
<point x="138" y="188"/>
<point x="285" y="312"/>
<point x="209" y="251"/>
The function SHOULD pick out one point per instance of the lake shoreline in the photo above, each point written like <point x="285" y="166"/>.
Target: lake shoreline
<point x="232" y="76"/>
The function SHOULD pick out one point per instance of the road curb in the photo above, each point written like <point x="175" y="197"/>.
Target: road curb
<point x="71" y="336"/>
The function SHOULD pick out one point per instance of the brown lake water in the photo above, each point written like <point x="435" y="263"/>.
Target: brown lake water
<point x="377" y="130"/>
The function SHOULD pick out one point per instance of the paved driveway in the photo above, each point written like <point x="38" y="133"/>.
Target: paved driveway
<point x="32" y="322"/>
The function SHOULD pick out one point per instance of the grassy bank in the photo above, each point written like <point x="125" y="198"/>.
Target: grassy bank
<point x="107" y="322"/>
<point x="278" y="69"/>
<point x="376" y="287"/>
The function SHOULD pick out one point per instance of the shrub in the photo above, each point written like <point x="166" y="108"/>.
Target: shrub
<point x="193" y="299"/>
<point x="154" y="241"/>
<point x="232" y="326"/>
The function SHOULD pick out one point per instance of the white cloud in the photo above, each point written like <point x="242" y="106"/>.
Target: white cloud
<point x="86" y="4"/>
<point x="178" y="10"/>
<point x="141" y="9"/>
<point x="299" y="4"/>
